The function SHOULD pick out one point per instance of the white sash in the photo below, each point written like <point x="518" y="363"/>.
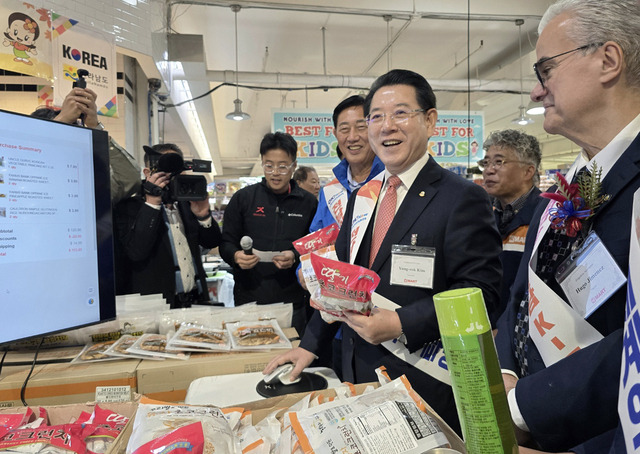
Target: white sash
<point x="363" y="208"/>
<point x="430" y="358"/>
<point x="336" y="196"/>
<point x="629" y="397"/>
<point x="555" y="328"/>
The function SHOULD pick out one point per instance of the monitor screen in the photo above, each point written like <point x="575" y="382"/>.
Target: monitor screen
<point x="56" y="249"/>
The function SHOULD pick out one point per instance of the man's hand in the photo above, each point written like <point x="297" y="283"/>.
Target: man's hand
<point x="200" y="207"/>
<point x="300" y="358"/>
<point x="285" y="260"/>
<point x="510" y="383"/>
<point x="382" y="325"/>
<point x="79" y="101"/>
<point x="245" y="261"/>
<point x="160" y="179"/>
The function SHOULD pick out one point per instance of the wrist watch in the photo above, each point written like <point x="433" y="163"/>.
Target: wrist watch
<point x="99" y="126"/>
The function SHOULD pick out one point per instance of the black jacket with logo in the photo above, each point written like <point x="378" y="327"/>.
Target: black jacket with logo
<point x="273" y="222"/>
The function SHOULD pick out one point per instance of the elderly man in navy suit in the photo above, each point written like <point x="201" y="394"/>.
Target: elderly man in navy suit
<point x="560" y="338"/>
<point x="414" y="202"/>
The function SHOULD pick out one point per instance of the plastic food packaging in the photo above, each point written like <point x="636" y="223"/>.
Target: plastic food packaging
<point x="317" y="240"/>
<point x="342" y="287"/>
<point x="256" y="335"/>
<point x="200" y="338"/>
<point x="477" y="383"/>
<point x="155" y="345"/>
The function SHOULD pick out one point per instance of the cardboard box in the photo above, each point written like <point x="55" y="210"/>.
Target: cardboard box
<point x="169" y="380"/>
<point x="58" y="384"/>
<point x="62" y="414"/>
<point x="262" y="408"/>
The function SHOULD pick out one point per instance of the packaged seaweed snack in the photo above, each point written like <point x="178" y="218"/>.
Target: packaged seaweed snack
<point x="342" y="287"/>
<point x="317" y="240"/>
<point x="257" y="335"/>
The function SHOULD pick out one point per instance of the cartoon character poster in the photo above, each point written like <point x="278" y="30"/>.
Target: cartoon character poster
<point x="75" y="47"/>
<point x="26" y="39"/>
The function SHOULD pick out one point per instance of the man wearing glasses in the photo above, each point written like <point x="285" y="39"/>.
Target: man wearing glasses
<point x="273" y="213"/>
<point x="562" y="347"/>
<point x="413" y="202"/>
<point x="510" y="172"/>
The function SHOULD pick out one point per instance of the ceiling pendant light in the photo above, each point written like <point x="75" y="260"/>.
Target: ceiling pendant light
<point x="535" y="108"/>
<point x="522" y="119"/>
<point x="237" y="114"/>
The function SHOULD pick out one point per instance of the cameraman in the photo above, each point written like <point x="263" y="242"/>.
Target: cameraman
<point x="158" y="240"/>
<point x="79" y="107"/>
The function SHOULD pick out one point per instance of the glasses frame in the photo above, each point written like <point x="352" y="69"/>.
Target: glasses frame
<point x="277" y="168"/>
<point x="542" y="61"/>
<point x="392" y="117"/>
<point x="494" y="164"/>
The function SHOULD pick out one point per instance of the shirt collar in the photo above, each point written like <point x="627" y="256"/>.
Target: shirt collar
<point x="516" y="205"/>
<point x="409" y="175"/>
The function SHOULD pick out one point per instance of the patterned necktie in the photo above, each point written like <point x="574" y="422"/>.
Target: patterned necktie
<point x="553" y="249"/>
<point x="386" y="212"/>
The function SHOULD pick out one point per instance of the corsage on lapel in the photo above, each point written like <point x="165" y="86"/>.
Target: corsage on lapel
<point x="576" y="202"/>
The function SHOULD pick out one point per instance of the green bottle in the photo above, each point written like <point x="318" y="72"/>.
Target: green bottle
<point x="476" y="379"/>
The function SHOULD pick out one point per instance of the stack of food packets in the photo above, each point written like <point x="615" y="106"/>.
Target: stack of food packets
<point x="120" y="349"/>
<point x="199" y="338"/>
<point x="91" y="433"/>
<point x="341" y="287"/>
<point x="320" y="242"/>
<point x="155" y="345"/>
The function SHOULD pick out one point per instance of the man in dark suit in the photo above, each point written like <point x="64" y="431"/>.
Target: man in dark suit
<point x="158" y="241"/>
<point x="433" y="208"/>
<point x="510" y="171"/>
<point x="563" y="364"/>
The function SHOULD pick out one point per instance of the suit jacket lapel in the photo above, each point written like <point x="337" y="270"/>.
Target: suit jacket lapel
<point x="415" y="202"/>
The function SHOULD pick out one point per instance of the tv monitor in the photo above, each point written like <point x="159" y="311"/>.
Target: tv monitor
<point x="56" y="245"/>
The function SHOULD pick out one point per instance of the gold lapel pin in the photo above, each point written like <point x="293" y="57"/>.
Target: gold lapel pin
<point x="421" y="194"/>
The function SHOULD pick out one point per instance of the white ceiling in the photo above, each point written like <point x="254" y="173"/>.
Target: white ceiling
<point x="427" y="36"/>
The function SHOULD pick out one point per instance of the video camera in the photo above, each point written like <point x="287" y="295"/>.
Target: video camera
<point x="181" y="188"/>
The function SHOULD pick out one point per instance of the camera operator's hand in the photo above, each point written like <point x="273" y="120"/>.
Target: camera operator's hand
<point x="79" y="101"/>
<point x="200" y="207"/>
<point x="245" y="261"/>
<point x="160" y="179"/>
<point x="285" y="260"/>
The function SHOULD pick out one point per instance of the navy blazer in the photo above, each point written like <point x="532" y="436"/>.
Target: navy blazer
<point x="576" y="398"/>
<point x="453" y="216"/>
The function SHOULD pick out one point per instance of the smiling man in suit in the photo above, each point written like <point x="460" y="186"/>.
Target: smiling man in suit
<point x="413" y="202"/>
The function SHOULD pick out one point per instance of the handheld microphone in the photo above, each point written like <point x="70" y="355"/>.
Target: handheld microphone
<point x="246" y="243"/>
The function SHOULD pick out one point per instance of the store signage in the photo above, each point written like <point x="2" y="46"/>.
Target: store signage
<point x="458" y="137"/>
<point x="313" y="130"/>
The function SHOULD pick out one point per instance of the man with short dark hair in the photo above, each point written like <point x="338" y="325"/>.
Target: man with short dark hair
<point x="413" y="202"/>
<point x="158" y="240"/>
<point x="510" y="171"/>
<point x="274" y="213"/>
<point x="561" y="337"/>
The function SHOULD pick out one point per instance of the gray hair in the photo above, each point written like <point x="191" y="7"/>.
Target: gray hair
<point x="599" y="21"/>
<point x="526" y="147"/>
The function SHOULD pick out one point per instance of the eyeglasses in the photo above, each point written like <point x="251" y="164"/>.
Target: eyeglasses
<point x="542" y="73"/>
<point x="495" y="163"/>
<point x="281" y="169"/>
<point x="399" y="116"/>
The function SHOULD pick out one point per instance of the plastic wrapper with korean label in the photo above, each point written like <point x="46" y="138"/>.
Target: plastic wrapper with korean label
<point x="317" y="240"/>
<point x="155" y="345"/>
<point x="257" y="335"/>
<point x="390" y="419"/>
<point x="120" y="348"/>
<point x="342" y="287"/>
<point x="308" y="273"/>
<point x="64" y="439"/>
<point x="181" y="429"/>
<point x="200" y="338"/>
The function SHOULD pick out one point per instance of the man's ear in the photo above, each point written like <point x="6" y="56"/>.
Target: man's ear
<point x="147" y="172"/>
<point x="612" y="62"/>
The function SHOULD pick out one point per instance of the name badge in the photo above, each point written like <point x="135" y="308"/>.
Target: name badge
<point x="589" y="276"/>
<point x="412" y="266"/>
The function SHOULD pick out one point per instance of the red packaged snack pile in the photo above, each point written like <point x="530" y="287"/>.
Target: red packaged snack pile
<point x="317" y="240"/>
<point x="342" y="287"/>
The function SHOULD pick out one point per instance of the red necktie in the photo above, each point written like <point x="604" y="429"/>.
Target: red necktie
<point x="386" y="212"/>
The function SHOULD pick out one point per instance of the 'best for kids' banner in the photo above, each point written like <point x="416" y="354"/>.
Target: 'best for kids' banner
<point x="457" y="136"/>
<point x="78" y="47"/>
<point x="629" y="398"/>
<point x="312" y="130"/>
<point x="26" y="40"/>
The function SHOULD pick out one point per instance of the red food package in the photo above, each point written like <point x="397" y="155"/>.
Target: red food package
<point x="187" y="439"/>
<point x="66" y="437"/>
<point x="318" y="239"/>
<point x="11" y="421"/>
<point x="342" y="287"/>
